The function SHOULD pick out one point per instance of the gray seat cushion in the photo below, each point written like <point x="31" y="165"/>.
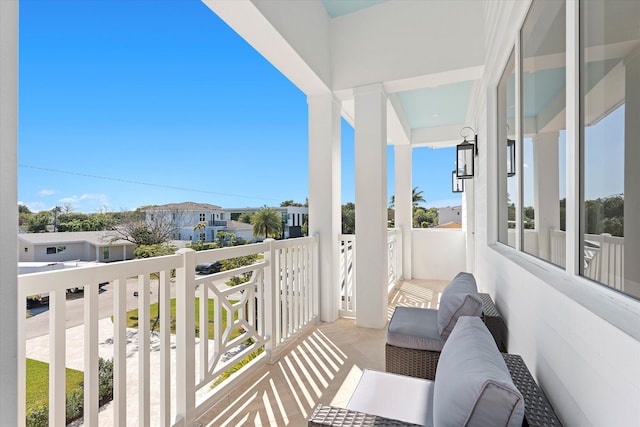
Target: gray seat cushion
<point x="473" y="386"/>
<point x="394" y="396"/>
<point x="413" y="327"/>
<point x="459" y="298"/>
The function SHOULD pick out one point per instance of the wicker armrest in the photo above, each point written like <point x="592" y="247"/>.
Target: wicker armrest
<point x="325" y="415"/>
<point x="537" y="409"/>
<point x="492" y="318"/>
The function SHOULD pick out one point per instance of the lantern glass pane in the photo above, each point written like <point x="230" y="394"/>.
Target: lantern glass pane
<point x="464" y="162"/>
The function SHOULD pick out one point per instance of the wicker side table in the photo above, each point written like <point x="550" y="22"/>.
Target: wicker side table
<point x="537" y="409"/>
<point x="492" y="318"/>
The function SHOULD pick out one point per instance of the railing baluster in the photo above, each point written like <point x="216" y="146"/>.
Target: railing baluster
<point x="165" y="348"/>
<point x="144" y="370"/>
<point x="91" y="403"/>
<point x="203" y="345"/>
<point x="185" y="339"/>
<point x="57" y="356"/>
<point x="120" y="352"/>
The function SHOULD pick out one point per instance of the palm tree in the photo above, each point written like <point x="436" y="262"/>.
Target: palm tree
<point x="200" y="228"/>
<point x="416" y="197"/>
<point x="267" y="221"/>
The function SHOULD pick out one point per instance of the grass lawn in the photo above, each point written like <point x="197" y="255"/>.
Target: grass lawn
<point x="38" y="383"/>
<point x="132" y="318"/>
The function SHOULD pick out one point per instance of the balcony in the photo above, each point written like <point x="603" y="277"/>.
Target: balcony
<point x="161" y="378"/>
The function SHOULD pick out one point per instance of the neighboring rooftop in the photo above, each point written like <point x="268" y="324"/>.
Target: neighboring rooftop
<point x="98" y="238"/>
<point x="184" y="206"/>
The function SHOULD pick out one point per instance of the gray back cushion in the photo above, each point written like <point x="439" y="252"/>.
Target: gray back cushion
<point x="473" y="386"/>
<point x="459" y="298"/>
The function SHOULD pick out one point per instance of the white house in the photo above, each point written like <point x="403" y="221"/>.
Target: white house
<point x="184" y="217"/>
<point x="450" y="215"/>
<point x="75" y="245"/>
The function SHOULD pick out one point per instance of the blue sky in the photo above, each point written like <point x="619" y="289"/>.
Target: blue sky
<point x="137" y="102"/>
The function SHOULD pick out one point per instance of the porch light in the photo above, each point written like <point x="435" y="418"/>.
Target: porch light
<point x="457" y="185"/>
<point x="511" y="157"/>
<point x="465" y="153"/>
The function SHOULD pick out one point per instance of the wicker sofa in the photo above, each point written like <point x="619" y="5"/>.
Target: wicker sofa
<point x="473" y="388"/>
<point x="416" y="336"/>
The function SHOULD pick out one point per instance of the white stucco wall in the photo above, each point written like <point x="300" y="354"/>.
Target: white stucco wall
<point x="437" y="253"/>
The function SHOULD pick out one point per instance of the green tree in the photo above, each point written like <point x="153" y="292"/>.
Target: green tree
<point x="245" y="217"/>
<point x="348" y="218"/>
<point x="24" y="214"/>
<point x="266" y="221"/>
<point x="290" y="203"/>
<point x="225" y="238"/>
<point x="200" y="229"/>
<point x="416" y="198"/>
<point x="38" y="223"/>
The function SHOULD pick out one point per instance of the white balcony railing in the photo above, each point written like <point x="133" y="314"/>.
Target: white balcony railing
<point x="347" y="266"/>
<point x="603" y="258"/>
<point x="279" y="300"/>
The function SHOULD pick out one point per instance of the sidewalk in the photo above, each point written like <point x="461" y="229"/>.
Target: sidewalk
<point x="38" y="348"/>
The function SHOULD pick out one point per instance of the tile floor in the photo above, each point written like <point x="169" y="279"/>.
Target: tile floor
<point x="322" y="367"/>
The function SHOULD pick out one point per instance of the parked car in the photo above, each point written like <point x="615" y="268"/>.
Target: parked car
<point x="209" y="267"/>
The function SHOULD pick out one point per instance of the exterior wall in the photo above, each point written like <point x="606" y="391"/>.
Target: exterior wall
<point x="450" y="214"/>
<point x="437" y="253"/>
<point x="25" y="252"/>
<point x="79" y="251"/>
<point x="580" y="340"/>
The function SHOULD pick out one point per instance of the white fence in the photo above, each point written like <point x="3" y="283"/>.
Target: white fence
<point x="279" y="299"/>
<point x="347" y="266"/>
<point x="603" y="258"/>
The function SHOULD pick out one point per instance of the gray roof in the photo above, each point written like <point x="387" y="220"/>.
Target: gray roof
<point x="97" y="238"/>
<point x="184" y="206"/>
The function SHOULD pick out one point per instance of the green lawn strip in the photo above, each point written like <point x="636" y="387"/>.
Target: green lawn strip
<point x="38" y="383"/>
<point x="132" y="318"/>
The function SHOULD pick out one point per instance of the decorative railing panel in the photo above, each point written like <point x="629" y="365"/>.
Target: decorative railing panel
<point x="347" y="280"/>
<point x="276" y="298"/>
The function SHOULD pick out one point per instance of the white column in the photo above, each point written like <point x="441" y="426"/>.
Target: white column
<point x="371" y="206"/>
<point x="324" y="195"/>
<point x="631" y="187"/>
<point x="546" y="189"/>
<point x="11" y="394"/>
<point x="403" y="202"/>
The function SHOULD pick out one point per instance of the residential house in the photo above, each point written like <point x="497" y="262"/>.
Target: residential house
<point x="559" y="78"/>
<point x="450" y="215"/>
<point x="73" y="245"/>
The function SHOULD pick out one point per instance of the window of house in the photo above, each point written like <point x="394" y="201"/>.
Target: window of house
<point x="610" y="125"/>
<point x="203" y="217"/>
<point x="51" y="250"/>
<point x="507" y="196"/>
<point x="543" y="125"/>
<point x="105" y="253"/>
<point x="26" y="250"/>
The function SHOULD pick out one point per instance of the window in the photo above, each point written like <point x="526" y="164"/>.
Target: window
<point x="506" y="131"/>
<point x="543" y="129"/>
<point x="105" y="253"/>
<point x="203" y="217"/>
<point x="51" y="250"/>
<point x="610" y="108"/>
<point x="26" y="250"/>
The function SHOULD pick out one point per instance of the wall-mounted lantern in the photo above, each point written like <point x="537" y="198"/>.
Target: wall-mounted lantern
<point x="465" y="153"/>
<point x="511" y="157"/>
<point x="457" y="185"/>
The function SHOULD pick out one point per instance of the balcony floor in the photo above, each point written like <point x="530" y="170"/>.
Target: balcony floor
<point x="323" y="366"/>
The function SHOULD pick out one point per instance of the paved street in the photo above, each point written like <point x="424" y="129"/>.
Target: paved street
<point x="38" y="324"/>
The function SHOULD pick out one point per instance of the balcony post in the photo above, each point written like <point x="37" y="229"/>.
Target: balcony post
<point x="12" y="364"/>
<point x="546" y="190"/>
<point x="631" y="283"/>
<point x="371" y="206"/>
<point x="324" y="195"/>
<point x="270" y="302"/>
<point x="403" y="203"/>
<point x="185" y="338"/>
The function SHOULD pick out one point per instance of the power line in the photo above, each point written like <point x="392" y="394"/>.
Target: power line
<point x="128" y="181"/>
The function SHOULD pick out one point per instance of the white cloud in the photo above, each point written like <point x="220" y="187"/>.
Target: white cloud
<point x="34" y="206"/>
<point x="444" y="203"/>
<point x="102" y="198"/>
<point x="46" y="192"/>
